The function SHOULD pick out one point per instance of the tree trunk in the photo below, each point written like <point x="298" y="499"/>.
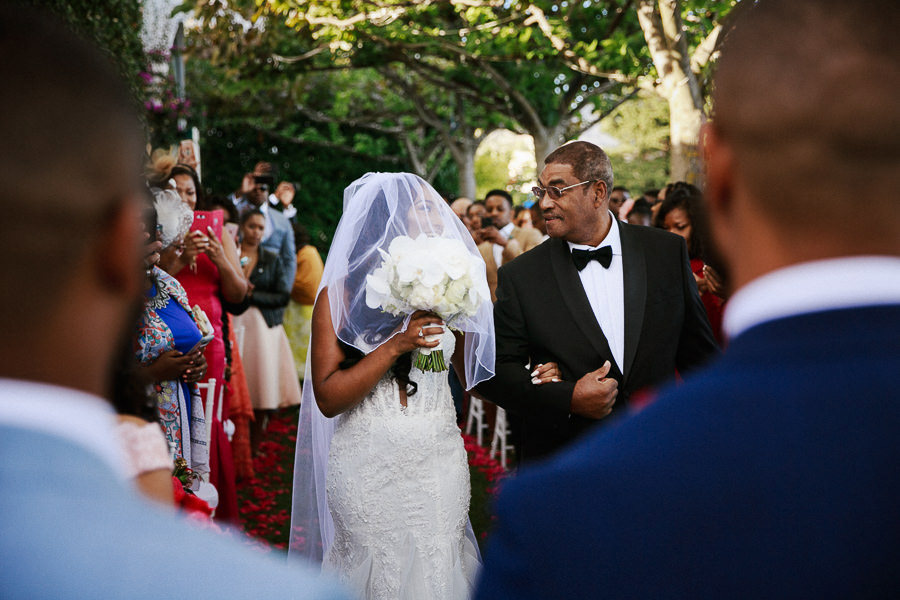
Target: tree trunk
<point x="463" y="152"/>
<point x="466" y="168"/>
<point x="685" y="119"/>
<point x="546" y="140"/>
<point x="664" y="31"/>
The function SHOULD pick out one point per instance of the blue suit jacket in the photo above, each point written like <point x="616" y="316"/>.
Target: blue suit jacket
<point x="70" y="529"/>
<point x="772" y="474"/>
<point x="281" y="242"/>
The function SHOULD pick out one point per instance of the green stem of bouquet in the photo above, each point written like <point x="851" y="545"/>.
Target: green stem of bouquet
<point x="431" y="362"/>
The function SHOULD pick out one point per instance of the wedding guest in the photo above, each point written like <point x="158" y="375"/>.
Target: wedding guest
<point x="522" y="217"/>
<point x="537" y="218"/>
<point x="237" y="395"/>
<point x="652" y="196"/>
<point x="232" y="217"/>
<point x="268" y="362"/>
<point x="640" y="213"/>
<point x="278" y="236"/>
<point x="246" y="187"/>
<point x="502" y="241"/>
<point x="683" y="213"/>
<point x="476" y="212"/>
<point x="167" y="345"/>
<point x="209" y="271"/>
<point x="773" y="473"/>
<point x="298" y="315"/>
<point x="617" y="198"/>
<point x="141" y="440"/>
<point x="71" y="524"/>
<point x="284" y="198"/>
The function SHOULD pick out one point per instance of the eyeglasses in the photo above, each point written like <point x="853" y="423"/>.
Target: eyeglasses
<point x="554" y="192"/>
<point x="262" y="187"/>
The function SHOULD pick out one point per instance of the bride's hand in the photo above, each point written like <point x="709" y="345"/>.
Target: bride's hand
<point x="545" y="373"/>
<point x="418" y="328"/>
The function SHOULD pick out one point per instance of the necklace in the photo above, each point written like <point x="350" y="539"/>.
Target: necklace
<point x="160" y="299"/>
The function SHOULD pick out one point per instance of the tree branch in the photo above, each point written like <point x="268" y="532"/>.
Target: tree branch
<point x="321" y="144"/>
<point x="320" y="117"/>
<point x="705" y="50"/>
<point x="617" y="20"/>
<point x="576" y="62"/>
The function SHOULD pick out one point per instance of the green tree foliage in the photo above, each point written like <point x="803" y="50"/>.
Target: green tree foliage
<point x="641" y="160"/>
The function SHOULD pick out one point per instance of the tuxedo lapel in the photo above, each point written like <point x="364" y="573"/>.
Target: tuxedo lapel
<point x="576" y="298"/>
<point x="634" y="275"/>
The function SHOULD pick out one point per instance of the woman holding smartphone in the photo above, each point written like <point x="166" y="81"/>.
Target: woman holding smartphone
<point x="167" y="339"/>
<point x="209" y="271"/>
<point x="268" y="361"/>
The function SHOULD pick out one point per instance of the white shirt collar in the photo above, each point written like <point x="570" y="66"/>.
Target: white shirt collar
<point x="79" y="417"/>
<point x="813" y="287"/>
<point x="612" y="239"/>
<point x="507" y="230"/>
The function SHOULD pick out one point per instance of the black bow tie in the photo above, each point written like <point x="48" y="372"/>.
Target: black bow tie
<point x="603" y="255"/>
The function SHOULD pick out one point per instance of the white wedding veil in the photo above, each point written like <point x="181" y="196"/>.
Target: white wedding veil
<point x="378" y="207"/>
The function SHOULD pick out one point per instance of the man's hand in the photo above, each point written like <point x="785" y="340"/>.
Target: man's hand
<point x="285" y="193"/>
<point x="493" y="235"/>
<point x="595" y="394"/>
<point x="247" y="184"/>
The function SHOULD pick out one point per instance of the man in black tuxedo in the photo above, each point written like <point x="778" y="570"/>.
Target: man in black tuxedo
<point x="614" y="305"/>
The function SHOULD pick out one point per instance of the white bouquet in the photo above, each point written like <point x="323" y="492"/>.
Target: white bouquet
<point x="427" y="273"/>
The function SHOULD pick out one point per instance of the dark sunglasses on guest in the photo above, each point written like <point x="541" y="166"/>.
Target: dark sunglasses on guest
<point x="554" y="192"/>
<point x="263" y="187"/>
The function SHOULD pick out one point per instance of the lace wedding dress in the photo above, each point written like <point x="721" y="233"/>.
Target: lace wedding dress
<point x="398" y="489"/>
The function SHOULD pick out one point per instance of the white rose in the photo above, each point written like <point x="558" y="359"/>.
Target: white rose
<point x="377" y="288"/>
<point x="422" y="297"/>
<point x="410" y="268"/>
<point x="432" y="273"/>
<point x="457" y="290"/>
<point x="456" y="262"/>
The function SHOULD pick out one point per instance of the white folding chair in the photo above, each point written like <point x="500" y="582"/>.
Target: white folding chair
<point x="209" y="389"/>
<point x="476" y="415"/>
<point x="501" y="431"/>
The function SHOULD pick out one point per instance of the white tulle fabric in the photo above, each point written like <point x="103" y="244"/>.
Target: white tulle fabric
<point x="398" y="477"/>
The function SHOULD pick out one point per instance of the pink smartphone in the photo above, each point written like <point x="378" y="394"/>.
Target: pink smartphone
<point x="208" y="218"/>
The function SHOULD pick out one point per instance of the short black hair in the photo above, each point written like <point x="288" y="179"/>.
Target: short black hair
<point x="506" y="195"/>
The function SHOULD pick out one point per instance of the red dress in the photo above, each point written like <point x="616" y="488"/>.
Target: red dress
<point x="202" y="286"/>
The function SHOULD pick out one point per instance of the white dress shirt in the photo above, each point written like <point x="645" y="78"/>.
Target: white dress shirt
<point x="78" y="417"/>
<point x="505" y="231"/>
<point x="605" y="289"/>
<point x="813" y="287"/>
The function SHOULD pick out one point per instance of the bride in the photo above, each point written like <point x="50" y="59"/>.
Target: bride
<point x="381" y="480"/>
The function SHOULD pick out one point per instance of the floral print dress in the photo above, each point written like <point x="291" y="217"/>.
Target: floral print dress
<point x="180" y="409"/>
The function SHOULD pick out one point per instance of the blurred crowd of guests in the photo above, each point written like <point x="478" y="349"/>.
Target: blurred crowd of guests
<point x="222" y="337"/>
